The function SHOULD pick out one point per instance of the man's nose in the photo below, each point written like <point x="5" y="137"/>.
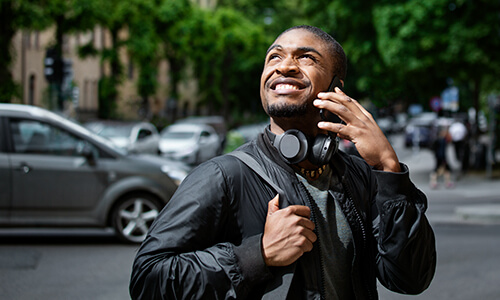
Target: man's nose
<point x="287" y="66"/>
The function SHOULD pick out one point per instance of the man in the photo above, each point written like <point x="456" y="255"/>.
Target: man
<point x="335" y="228"/>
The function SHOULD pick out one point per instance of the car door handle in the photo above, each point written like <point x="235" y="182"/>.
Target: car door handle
<point x="24" y="167"/>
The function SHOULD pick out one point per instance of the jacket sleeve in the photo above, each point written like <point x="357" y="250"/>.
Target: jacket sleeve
<point x="194" y="249"/>
<point x="406" y="252"/>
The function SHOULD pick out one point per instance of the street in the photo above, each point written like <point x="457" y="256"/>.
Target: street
<point x="93" y="264"/>
<point x="468" y="264"/>
<point x="64" y="264"/>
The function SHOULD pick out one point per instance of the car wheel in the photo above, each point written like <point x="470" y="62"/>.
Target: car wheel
<point x="132" y="217"/>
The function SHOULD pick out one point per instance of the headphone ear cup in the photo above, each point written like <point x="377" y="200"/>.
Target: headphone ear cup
<point x="292" y="146"/>
<point x="323" y="148"/>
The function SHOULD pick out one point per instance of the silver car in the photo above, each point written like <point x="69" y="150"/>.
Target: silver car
<point x="54" y="172"/>
<point x="190" y="143"/>
<point x="135" y="137"/>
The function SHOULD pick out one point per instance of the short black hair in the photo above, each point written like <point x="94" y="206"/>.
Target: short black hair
<point x="336" y="51"/>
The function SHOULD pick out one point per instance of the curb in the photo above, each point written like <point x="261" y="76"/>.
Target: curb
<point x="486" y="213"/>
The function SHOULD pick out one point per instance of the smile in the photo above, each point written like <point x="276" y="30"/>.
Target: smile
<point x="286" y="87"/>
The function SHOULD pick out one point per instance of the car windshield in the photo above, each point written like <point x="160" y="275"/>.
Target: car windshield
<point x="178" y="135"/>
<point x="115" y="131"/>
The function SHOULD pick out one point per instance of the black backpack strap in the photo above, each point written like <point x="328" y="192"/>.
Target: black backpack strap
<point x="254" y="165"/>
<point x="278" y="288"/>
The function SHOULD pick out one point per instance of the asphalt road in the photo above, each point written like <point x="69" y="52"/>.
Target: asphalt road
<point x="63" y="264"/>
<point x="92" y="265"/>
<point x="468" y="264"/>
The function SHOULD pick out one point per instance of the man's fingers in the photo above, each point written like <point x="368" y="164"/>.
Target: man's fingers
<point x="309" y="234"/>
<point x="273" y="205"/>
<point x="300" y="210"/>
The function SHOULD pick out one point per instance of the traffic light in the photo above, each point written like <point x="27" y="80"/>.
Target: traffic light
<point x="53" y="64"/>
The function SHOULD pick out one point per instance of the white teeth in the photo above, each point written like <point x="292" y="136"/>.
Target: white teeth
<point x="286" y="87"/>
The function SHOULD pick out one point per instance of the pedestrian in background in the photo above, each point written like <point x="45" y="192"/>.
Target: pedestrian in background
<point x="460" y="139"/>
<point x="442" y="167"/>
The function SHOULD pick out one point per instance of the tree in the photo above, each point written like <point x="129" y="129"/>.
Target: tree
<point x="227" y="51"/>
<point x="171" y="27"/>
<point x="143" y="46"/>
<point x="15" y="15"/>
<point x="68" y="16"/>
<point x="438" y="39"/>
<point x="111" y="15"/>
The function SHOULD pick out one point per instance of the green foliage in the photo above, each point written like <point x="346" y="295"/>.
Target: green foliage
<point x="227" y="51"/>
<point x="14" y="16"/>
<point x="398" y="50"/>
<point x="87" y="50"/>
<point x="234" y="140"/>
<point x="8" y="89"/>
<point x="107" y="91"/>
<point x="428" y="41"/>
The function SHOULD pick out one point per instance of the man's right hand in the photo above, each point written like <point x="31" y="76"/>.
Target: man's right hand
<point x="288" y="233"/>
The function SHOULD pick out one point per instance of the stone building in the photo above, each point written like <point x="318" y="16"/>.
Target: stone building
<point x="28" y="70"/>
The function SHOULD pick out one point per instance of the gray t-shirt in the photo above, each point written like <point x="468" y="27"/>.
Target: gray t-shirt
<point x="335" y="236"/>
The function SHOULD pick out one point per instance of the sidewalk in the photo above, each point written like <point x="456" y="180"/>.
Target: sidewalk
<point x="471" y="186"/>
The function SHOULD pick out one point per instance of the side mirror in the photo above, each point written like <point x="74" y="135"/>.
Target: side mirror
<point x="85" y="150"/>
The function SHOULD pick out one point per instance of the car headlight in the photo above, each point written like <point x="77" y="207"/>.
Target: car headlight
<point x="177" y="175"/>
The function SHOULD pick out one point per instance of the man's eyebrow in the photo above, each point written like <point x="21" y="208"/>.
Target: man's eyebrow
<point x="301" y="49"/>
<point x="309" y="49"/>
<point x="273" y="47"/>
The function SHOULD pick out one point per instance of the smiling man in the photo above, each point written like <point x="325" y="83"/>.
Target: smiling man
<point x="339" y="222"/>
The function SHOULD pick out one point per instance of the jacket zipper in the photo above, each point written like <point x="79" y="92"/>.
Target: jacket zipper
<point x="313" y="217"/>
<point x="363" y="230"/>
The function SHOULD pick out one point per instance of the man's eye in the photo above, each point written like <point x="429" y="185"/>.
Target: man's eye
<point x="272" y="56"/>
<point x="307" y="57"/>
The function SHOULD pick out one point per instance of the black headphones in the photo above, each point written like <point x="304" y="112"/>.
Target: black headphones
<point x="293" y="145"/>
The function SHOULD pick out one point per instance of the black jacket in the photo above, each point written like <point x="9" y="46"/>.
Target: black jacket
<point x="206" y="243"/>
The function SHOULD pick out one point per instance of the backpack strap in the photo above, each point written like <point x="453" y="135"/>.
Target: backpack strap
<point x="280" y="286"/>
<point x="254" y="165"/>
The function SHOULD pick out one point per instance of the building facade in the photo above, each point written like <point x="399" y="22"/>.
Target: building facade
<point x="28" y="70"/>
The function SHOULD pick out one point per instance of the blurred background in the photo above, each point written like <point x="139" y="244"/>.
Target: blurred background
<point x="176" y="82"/>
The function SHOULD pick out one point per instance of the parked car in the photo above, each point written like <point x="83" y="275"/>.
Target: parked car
<point x="54" y="172"/>
<point x="190" y="143"/>
<point x="136" y="137"/>
<point x="386" y="124"/>
<point x="420" y="130"/>
<point x="216" y="122"/>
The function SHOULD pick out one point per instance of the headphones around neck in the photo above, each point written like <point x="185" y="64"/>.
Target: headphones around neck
<point x="294" y="147"/>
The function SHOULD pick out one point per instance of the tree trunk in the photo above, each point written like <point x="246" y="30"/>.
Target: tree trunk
<point x="7" y="85"/>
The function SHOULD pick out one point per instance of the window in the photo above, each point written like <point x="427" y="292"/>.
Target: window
<point x="143" y="133"/>
<point x="31" y="90"/>
<point x="130" y="70"/>
<point x="31" y="136"/>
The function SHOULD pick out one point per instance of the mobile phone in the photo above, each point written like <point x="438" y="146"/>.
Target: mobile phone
<point x="325" y="114"/>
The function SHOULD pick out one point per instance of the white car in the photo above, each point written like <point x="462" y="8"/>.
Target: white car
<point x="135" y="137"/>
<point x="190" y="143"/>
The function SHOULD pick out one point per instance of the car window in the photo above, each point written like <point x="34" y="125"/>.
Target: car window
<point x="143" y="133"/>
<point x="30" y="136"/>
<point x="115" y="131"/>
<point x="205" y="133"/>
<point x="178" y="135"/>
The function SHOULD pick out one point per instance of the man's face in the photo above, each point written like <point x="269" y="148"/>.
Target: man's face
<point x="297" y="67"/>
